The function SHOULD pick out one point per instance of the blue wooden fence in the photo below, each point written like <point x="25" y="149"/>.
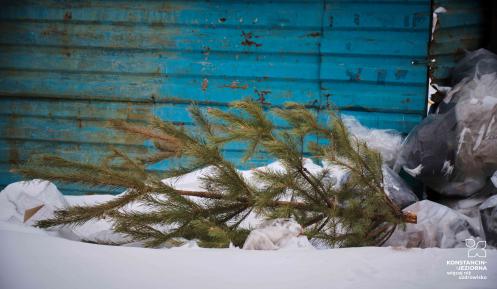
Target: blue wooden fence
<point x="67" y="67"/>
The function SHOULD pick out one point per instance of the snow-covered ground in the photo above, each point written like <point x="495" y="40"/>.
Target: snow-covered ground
<point x="34" y="258"/>
<point x="30" y="258"/>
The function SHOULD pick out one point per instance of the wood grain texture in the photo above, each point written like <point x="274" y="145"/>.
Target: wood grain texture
<point x="67" y="68"/>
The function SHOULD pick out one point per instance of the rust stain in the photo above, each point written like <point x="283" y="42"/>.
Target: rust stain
<point x="12" y="126"/>
<point x="354" y="76"/>
<point x="327" y="96"/>
<point x="262" y="95"/>
<point x="54" y="31"/>
<point x="248" y="39"/>
<point x="14" y="156"/>
<point x="68" y="15"/>
<point x="66" y="51"/>
<point x="235" y="85"/>
<point x="206" y="51"/>
<point x="132" y="112"/>
<point x="313" y="34"/>
<point x="63" y="35"/>
<point x="170" y="7"/>
<point x="205" y="84"/>
<point x="157" y="24"/>
<point x="158" y="71"/>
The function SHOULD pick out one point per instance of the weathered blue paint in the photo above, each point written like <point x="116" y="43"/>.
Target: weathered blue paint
<point x="67" y="67"/>
<point x="459" y="29"/>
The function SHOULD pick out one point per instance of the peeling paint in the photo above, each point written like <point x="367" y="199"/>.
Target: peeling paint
<point x="68" y="15"/>
<point x="205" y="84"/>
<point x="313" y="34"/>
<point x="262" y="95"/>
<point x="248" y="39"/>
<point x="235" y="85"/>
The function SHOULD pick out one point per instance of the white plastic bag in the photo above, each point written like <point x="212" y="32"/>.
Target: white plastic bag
<point x="19" y="197"/>
<point x="277" y="234"/>
<point x="437" y="226"/>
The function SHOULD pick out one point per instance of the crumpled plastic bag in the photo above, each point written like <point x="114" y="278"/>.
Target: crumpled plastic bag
<point x="386" y="142"/>
<point x="277" y="234"/>
<point x="455" y="151"/>
<point x="437" y="226"/>
<point x="480" y="62"/>
<point x="488" y="215"/>
<point x="19" y="197"/>
<point x="396" y="189"/>
<point x="31" y="201"/>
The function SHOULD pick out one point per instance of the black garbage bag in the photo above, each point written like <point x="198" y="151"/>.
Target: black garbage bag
<point x="455" y="151"/>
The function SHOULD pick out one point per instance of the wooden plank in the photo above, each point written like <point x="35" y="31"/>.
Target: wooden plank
<point x="400" y="15"/>
<point x="164" y="63"/>
<point x="168" y="37"/>
<point x="155" y="89"/>
<point x="219" y="13"/>
<point x="208" y="90"/>
<point x="370" y="68"/>
<point x="387" y="43"/>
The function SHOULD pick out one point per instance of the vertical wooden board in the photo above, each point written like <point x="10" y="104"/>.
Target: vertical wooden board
<point x="460" y="27"/>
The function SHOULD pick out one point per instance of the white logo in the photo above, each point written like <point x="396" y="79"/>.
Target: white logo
<point x="476" y="249"/>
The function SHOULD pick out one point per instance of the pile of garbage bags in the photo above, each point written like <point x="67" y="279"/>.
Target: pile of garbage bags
<point x="454" y="153"/>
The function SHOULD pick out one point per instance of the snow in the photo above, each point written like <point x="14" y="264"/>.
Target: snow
<point x="35" y="258"/>
<point x="32" y="259"/>
<point x="193" y="181"/>
<point x="190" y="181"/>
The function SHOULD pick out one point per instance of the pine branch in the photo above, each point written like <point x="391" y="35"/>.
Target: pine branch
<point x="358" y="213"/>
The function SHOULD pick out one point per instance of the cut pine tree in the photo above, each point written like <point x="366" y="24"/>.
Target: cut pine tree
<point x="358" y="213"/>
